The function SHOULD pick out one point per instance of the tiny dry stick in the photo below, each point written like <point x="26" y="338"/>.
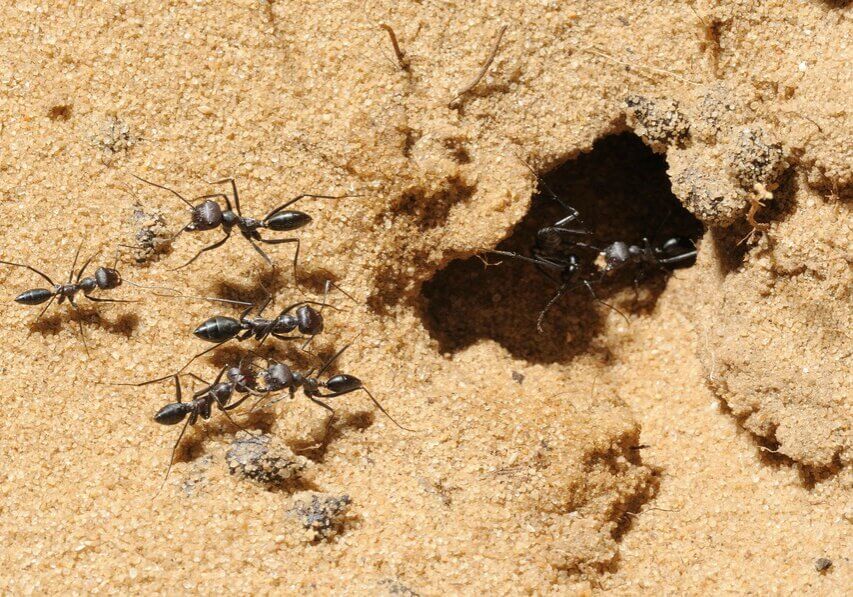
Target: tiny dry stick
<point x="595" y="51"/>
<point x="401" y="56"/>
<point x="483" y="70"/>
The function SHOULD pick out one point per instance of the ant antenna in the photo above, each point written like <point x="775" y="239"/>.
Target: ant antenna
<point x="159" y="186"/>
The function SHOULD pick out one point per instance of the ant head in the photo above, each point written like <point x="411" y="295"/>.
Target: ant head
<point x="172" y="413"/>
<point x="616" y="254"/>
<point x="278" y="376"/>
<point x="310" y="320"/>
<point x="206" y="216"/>
<point x="548" y="239"/>
<point x="287" y="220"/>
<point x="107" y="277"/>
<point x="240" y="377"/>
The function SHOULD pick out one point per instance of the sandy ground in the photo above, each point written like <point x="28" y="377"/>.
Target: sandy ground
<point x="644" y="456"/>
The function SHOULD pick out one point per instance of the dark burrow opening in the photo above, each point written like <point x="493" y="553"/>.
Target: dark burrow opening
<point x="622" y="192"/>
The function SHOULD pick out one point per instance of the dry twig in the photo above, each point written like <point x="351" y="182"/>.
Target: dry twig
<point x="483" y="70"/>
<point x="401" y="56"/>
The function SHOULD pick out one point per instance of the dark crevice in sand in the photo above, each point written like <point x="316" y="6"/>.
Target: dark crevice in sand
<point x="622" y="192"/>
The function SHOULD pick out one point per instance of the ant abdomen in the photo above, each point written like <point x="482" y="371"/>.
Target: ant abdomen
<point x="172" y="413"/>
<point x="218" y="329"/>
<point x="343" y="383"/>
<point x="679" y="251"/>
<point x="36" y="296"/>
<point x="287" y="220"/>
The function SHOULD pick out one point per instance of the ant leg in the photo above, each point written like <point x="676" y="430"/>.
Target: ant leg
<point x="375" y="401"/>
<point x="215" y="245"/>
<point x="233" y="190"/>
<point x="32" y="269"/>
<point x="85" y="265"/>
<point x="231" y="419"/>
<point x="328" y="408"/>
<point x="172" y="455"/>
<point x="298" y="197"/>
<point x="202" y="353"/>
<point x="279" y="241"/>
<point x="45" y="308"/>
<point x="292" y="395"/>
<point x="332" y="360"/>
<point x="159" y="186"/>
<point x="108" y="300"/>
<point x="260" y="251"/>
<point x="339" y="289"/>
<point x="560" y="292"/>
<point x="80" y="325"/>
<point x="609" y="306"/>
<point x="74" y="263"/>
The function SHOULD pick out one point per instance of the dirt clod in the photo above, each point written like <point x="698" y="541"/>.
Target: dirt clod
<point x="755" y="161"/>
<point x="149" y="235"/>
<point x="114" y="137"/>
<point x="264" y="460"/>
<point x="658" y="121"/>
<point x="322" y="514"/>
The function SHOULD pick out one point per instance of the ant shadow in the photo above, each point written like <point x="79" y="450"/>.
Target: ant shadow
<point x="50" y="325"/>
<point x="269" y="282"/>
<point x="622" y="192"/>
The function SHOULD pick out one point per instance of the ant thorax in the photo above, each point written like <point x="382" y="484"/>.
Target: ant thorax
<point x="285" y="323"/>
<point x="230" y="219"/>
<point x="250" y="223"/>
<point x="221" y="392"/>
<point x="66" y="290"/>
<point x="309" y="384"/>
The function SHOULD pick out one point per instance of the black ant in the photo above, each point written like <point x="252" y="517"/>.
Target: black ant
<point x="570" y="268"/>
<point x="220" y="329"/>
<point x="240" y="380"/>
<point x="278" y="376"/>
<point x="105" y="278"/>
<point x="209" y="215"/>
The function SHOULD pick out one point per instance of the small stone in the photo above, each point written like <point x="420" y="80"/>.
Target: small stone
<point x="264" y="460"/>
<point x="321" y="514"/>
<point x="822" y="564"/>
